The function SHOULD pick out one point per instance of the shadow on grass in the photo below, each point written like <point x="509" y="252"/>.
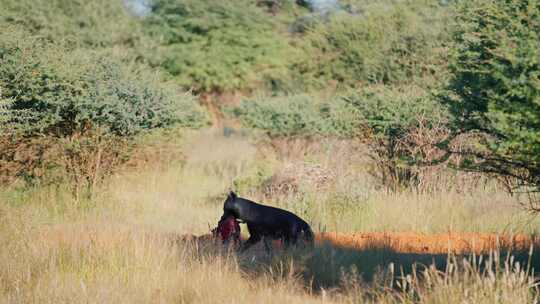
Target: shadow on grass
<point x="327" y="265"/>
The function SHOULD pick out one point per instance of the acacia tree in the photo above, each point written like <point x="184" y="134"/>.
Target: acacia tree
<point x="494" y="90"/>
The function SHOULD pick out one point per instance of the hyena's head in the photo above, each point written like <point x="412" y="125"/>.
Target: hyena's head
<point x="230" y="207"/>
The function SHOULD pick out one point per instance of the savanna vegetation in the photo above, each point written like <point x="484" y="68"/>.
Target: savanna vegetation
<point x="124" y="123"/>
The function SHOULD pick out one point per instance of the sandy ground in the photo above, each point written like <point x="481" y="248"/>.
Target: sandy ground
<point x="401" y="242"/>
<point x="411" y="242"/>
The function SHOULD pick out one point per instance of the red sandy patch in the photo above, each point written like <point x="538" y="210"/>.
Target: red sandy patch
<point x="402" y="242"/>
<point x="411" y="242"/>
<point x="442" y="243"/>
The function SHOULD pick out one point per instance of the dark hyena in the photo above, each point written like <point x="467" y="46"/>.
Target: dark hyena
<point x="266" y="223"/>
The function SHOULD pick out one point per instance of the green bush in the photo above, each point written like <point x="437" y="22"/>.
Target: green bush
<point x="400" y="126"/>
<point x="58" y="91"/>
<point x="218" y="45"/>
<point x="495" y="86"/>
<point x="70" y="113"/>
<point x="6" y="114"/>
<point x="391" y="111"/>
<point x="379" y="42"/>
<point x="96" y="23"/>
<point x="299" y="115"/>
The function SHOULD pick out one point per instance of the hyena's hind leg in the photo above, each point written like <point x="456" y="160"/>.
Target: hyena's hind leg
<point x="268" y="245"/>
<point x="292" y="236"/>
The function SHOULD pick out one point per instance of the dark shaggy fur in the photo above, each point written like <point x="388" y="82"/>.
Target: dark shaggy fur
<point x="267" y="223"/>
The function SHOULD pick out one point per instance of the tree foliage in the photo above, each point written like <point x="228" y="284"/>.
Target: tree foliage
<point x="218" y="45"/>
<point x="495" y="87"/>
<point x="95" y="24"/>
<point x="381" y="42"/>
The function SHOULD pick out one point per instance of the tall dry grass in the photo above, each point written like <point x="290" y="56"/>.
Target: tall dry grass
<point x="107" y="263"/>
<point x="118" y="247"/>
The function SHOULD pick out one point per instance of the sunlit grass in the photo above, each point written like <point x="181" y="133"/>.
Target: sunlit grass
<point x="118" y="246"/>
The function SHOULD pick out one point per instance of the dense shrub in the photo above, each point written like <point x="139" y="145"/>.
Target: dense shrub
<point x="377" y="42"/>
<point x="221" y="46"/>
<point x="61" y="92"/>
<point x="96" y="23"/>
<point x="495" y="87"/>
<point x="299" y="115"/>
<point x="400" y="126"/>
<point x="75" y="109"/>
<point x="218" y="45"/>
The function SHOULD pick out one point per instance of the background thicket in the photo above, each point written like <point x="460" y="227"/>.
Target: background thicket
<point x="215" y="46"/>
<point x="377" y="71"/>
<point x="375" y="42"/>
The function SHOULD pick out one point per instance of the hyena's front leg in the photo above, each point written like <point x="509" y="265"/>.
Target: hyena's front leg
<point x="253" y="239"/>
